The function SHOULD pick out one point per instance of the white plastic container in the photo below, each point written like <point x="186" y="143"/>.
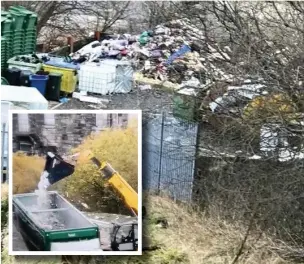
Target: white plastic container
<point x="106" y="77"/>
<point x="22" y="97"/>
<point x="17" y="97"/>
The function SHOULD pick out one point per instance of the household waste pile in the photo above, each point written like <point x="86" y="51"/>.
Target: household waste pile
<point x="174" y="52"/>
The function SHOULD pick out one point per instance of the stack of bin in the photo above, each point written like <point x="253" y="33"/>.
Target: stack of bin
<point x="6" y="32"/>
<point x="18" y="32"/>
<point x="29" y="29"/>
<point x="3" y="53"/>
<point x="18" y="27"/>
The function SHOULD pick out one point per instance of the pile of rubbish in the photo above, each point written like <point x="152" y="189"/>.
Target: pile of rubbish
<point x="175" y="52"/>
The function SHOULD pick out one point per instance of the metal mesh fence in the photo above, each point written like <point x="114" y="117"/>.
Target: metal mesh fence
<point x="169" y="148"/>
<point x="4" y="151"/>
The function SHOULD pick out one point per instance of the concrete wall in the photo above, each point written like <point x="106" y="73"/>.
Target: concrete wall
<point x="63" y="131"/>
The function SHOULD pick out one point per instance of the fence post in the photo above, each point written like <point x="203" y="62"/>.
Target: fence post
<point x="70" y="42"/>
<point x="194" y="197"/>
<point x="2" y="152"/>
<point x="161" y="151"/>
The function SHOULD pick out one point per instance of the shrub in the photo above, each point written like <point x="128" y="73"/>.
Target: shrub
<point x="26" y="172"/>
<point x="119" y="148"/>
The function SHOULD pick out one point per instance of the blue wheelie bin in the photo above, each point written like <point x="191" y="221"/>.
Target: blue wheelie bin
<point x="40" y="82"/>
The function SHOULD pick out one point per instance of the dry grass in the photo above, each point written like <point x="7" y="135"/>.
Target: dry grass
<point x="190" y="238"/>
<point x="206" y="240"/>
<point x="26" y="172"/>
<point x="4" y="191"/>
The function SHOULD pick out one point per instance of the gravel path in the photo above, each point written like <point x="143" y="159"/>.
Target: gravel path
<point x="149" y="101"/>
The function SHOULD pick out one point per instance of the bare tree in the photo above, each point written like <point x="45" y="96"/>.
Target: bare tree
<point x="75" y="18"/>
<point x="251" y="151"/>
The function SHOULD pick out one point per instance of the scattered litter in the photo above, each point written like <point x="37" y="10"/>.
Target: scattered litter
<point x="64" y="100"/>
<point x="56" y="106"/>
<point x="91" y="99"/>
<point x="145" y="87"/>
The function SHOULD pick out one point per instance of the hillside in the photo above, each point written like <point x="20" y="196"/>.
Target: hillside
<point x="180" y="236"/>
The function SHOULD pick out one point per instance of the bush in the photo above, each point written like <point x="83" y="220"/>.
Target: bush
<point x="119" y="148"/>
<point x="26" y="172"/>
<point x="4" y="205"/>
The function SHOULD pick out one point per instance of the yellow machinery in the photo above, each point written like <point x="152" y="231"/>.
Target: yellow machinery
<point x="115" y="179"/>
<point x="124" y="235"/>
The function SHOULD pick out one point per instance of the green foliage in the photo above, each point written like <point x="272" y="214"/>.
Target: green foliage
<point x="4" y="210"/>
<point x="4" y="205"/>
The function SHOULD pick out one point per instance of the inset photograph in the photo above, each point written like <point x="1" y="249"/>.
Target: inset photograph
<point x="75" y="183"/>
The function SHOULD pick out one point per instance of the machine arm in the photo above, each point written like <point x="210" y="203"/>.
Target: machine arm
<point x="116" y="180"/>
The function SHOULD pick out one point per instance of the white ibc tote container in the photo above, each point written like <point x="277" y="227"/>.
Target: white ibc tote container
<point x="106" y="77"/>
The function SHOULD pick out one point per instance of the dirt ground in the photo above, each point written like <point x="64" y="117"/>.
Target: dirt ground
<point x="149" y="101"/>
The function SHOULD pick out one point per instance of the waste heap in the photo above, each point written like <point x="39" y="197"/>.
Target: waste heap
<point x="178" y="52"/>
<point x="175" y="51"/>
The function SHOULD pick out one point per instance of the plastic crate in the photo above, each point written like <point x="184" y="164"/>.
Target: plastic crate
<point x="32" y="22"/>
<point x="30" y="38"/>
<point x="29" y="46"/>
<point x="31" y="17"/>
<point x="5" y="13"/>
<point x="19" y="37"/>
<point x="17" y="52"/>
<point x="19" y="31"/>
<point x="31" y="31"/>
<point x="6" y="24"/>
<point x="28" y="51"/>
<point x="31" y="49"/>
<point x="19" y="19"/>
<point x="23" y="65"/>
<point x="69" y="77"/>
<point x="17" y="45"/>
<point x="8" y="34"/>
<point x="16" y="49"/>
<point x="17" y="42"/>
